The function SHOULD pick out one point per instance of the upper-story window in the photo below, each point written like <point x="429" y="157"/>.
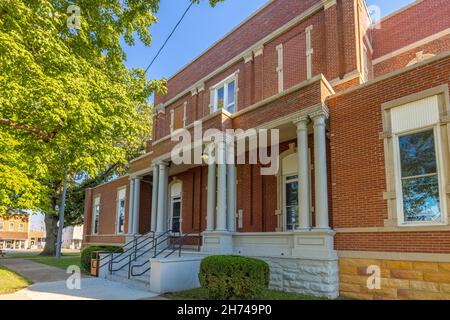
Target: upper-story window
<point x="11" y="226"/>
<point x="21" y="227"/>
<point x="1" y="225"/>
<point x="224" y="95"/>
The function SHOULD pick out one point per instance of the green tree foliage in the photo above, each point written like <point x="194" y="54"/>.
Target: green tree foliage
<point x="66" y="98"/>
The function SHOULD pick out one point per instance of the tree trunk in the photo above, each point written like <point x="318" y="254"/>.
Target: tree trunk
<point x="51" y="231"/>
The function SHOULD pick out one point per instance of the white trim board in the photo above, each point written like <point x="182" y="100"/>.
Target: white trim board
<point x="412" y="46"/>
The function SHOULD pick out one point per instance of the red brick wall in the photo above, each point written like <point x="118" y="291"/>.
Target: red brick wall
<point x="402" y="60"/>
<point x="357" y="159"/>
<point x="258" y="79"/>
<point x="266" y="21"/>
<point x="411" y="25"/>
<point x="108" y="197"/>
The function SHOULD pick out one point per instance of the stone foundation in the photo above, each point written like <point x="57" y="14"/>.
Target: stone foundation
<point x="312" y="277"/>
<point x="400" y="279"/>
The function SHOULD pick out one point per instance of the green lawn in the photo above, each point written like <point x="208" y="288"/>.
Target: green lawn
<point x="62" y="263"/>
<point x="11" y="282"/>
<point x="66" y="260"/>
<point x="267" y="294"/>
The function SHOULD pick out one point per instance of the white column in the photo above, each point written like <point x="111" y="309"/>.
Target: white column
<point x="211" y="204"/>
<point x="303" y="174"/>
<point x="221" y="186"/>
<point x="320" y="170"/>
<point x="137" y="191"/>
<point x="131" y="207"/>
<point x="231" y="188"/>
<point x="162" y="198"/>
<point x="154" y="197"/>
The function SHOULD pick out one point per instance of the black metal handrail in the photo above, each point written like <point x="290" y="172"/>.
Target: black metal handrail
<point x="136" y="242"/>
<point x="167" y="235"/>
<point x="130" y="256"/>
<point x="180" y="241"/>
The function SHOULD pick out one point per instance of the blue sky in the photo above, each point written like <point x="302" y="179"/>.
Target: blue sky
<point x="201" y="27"/>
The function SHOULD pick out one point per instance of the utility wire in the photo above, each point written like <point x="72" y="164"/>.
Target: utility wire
<point x="170" y="35"/>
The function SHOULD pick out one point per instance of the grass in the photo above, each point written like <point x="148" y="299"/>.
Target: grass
<point x="11" y="281"/>
<point x="62" y="263"/>
<point x="67" y="259"/>
<point x="267" y="294"/>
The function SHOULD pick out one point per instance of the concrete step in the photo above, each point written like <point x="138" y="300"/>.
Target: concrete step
<point x="135" y="282"/>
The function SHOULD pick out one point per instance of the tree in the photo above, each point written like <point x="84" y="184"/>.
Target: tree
<point x="67" y="101"/>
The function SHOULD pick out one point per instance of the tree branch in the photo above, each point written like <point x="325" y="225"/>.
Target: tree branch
<point x="37" y="132"/>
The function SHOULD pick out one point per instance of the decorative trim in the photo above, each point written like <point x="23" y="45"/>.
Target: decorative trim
<point x="258" y="51"/>
<point x="279" y="68"/>
<point x="385" y="135"/>
<point x="407" y="256"/>
<point x="309" y="52"/>
<point x="248" y="57"/>
<point x="328" y="4"/>
<point x="412" y="46"/>
<point x="389" y="195"/>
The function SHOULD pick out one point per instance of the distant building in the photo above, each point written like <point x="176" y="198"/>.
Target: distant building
<point x="14" y="231"/>
<point x="72" y="237"/>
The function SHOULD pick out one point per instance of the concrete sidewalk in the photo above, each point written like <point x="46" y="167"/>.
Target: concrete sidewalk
<point x="35" y="272"/>
<point x="90" y="289"/>
<point x="50" y="283"/>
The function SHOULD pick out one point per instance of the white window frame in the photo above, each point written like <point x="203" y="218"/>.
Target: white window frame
<point x="94" y="214"/>
<point x="119" y="199"/>
<point x="1" y="226"/>
<point x="21" y="227"/>
<point x="9" y="226"/>
<point x="398" y="178"/>
<point x="224" y="83"/>
<point x="172" y="201"/>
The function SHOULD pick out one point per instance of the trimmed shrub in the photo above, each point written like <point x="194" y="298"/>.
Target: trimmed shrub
<point x="87" y="253"/>
<point x="233" y="277"/>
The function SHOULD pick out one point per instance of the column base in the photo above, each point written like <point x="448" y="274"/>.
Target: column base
<point x="314" y="244"/>
<point x="217" y="242"/>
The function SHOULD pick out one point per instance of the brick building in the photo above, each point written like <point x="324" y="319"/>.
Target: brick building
<point x="362" y="113"/>
<point x="14" y="232"/>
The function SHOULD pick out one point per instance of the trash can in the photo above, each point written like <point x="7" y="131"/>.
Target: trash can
<point x="95" y="262"/>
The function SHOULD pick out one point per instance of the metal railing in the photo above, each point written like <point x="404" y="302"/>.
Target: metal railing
<point x="168" y="235"/>
<point x="137" y="243"/>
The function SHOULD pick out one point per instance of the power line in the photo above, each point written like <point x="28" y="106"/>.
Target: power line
<point x="170" y="36"/>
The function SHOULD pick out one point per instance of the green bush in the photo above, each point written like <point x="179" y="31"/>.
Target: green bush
<point x="87" y="253"/>
<point x="233" y="277"/>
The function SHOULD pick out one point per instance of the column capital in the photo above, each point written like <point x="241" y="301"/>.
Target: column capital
<point x="319" y="116"/>
<point x="301" y="122"/>
<point x="162" y="163"/>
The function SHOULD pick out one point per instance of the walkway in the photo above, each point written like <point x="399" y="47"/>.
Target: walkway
<point x="50" y="283"/>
